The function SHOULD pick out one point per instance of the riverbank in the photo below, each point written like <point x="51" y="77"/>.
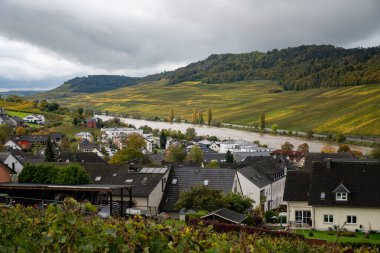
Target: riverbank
<point x="273" y="141"/>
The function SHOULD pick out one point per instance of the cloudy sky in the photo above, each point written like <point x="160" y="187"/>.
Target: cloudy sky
<point x="45" y="42"/>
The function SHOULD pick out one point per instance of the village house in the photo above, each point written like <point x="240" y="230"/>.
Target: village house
<point x="148" y="182"/>
<point x="35" y="119"/>
<point x="86" y="146"/>
<point x="80" y="157"/>
<point x="112" y="133"/>
<point x="263" y="180"/>
<point x="91" y="123"/>
<point x="84" y="135"/>
<point x="6" y="173"/>
<point x="342" y="193"/>
<point x="183" y="178"/>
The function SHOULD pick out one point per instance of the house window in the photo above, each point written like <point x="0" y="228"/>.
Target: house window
<point x="205" y="182"/>
<point x="351" y="219"/>
<point x="328" y="218"/>
<point x="323" y="195"/>
<point x="174" y="181"/>
<point x="98" y="179"/>
<point x="341" y="196"/>
<point x="303" y="216"/>
<point x="129" y="180"/>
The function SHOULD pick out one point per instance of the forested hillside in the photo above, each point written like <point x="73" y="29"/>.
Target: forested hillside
<point x="295" y="68"/>
<point x="97" y="83"/>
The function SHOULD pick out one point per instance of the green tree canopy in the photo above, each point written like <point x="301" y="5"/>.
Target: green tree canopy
<point x="196" y="155"/>
<point x="237" y="202"/>
<point x="200" y="197"/>
<point x="229" y="157"/>
<point x="126" y="155"/>
<point x="49" y="154"/>
<point x="176" y="153"/>
<point x="190" y="133"/>
<point x="287" y="146"/>
<point x="54" y="174"/>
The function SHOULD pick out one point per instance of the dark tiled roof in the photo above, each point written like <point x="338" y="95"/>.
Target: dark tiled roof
<point x="220" y="179"/>
<point x="220" y="158"/>
<point x="228" y="214"/>
<point x="262" y="170"/>
<point x="143" y="183"/>
<point x="297" y="186"/>
<point x="80" y="157"/>
<point x="361" y="178"/>
<point x="320" y="157"/>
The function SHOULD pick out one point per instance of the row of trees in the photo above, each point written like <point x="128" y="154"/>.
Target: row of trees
<point x="197" y="117"/>
<point x="202" y="197"/>
<point x="71" y="174"/>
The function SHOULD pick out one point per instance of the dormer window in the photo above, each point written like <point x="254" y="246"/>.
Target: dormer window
<point x="341" y="193"/>
<point x="341" y="196"/>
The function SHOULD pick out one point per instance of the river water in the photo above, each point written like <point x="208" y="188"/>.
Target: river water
<point x="273" y="141"/>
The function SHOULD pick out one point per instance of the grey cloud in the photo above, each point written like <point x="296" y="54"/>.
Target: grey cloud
<point x="145" y="35"/>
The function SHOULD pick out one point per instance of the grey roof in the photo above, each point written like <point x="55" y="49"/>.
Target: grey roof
<point x="220" y="158"/>
<point x="80" y="157"/>
<point x="360" y="177"/>
<point x="85" y="144"/>
<point x="261" y="171"/>
<point x="227" y="214"/>
<point x="182" y="179"/>
<point x="297" y="186"/>
<point x="320" y="157"/>
<point x="4" y="155"/>
<point x="107" y="174"/>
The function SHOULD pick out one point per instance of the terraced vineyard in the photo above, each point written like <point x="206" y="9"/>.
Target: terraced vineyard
<point x="349" y="110"/>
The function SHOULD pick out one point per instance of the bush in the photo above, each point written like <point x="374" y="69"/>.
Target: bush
<point x="268" y="215"/>
<point x="347" y="234"/>
<point x="311" y="234"/>
<point x="340" y="138"/>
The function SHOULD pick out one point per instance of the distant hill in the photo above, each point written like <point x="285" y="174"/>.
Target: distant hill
<point x="20" y="93"/>
<point x="296" y="68"/>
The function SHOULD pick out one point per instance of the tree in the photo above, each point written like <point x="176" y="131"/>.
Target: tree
<point x="176" y="153"/>
<point x="327" y="148"/>
<point x="213" y="164"/>
<point x="190" y="133"/>
<point x="229" y="157"/>
<point x="200" y="121"/>
<point x="20" y="131"/>
<point x="5" y="132"/>
<point x="200" y="197"/>
<point x="275" y="128"/>
<point x="340" y="138"/>
<point x="72" y="174"/>
<point x="287" y="146"/>
<point x="49" y="154"/>
<point x="53" y="174"/>
<point x="80" y="111"/>
<point x="375" y="153"/>
<point x="344" y="148"/>
<point x="126" y="155"/>
<point x="196" y="155"/>
<point x="237" y="202"/>
<point x="304" y="147"/>
<point x="163" y="140"/>
<point x="135" y="141"/>
<point x="194" y="117"/>
<point x="171" y="115"/>
<point x="76" y="121"/>
<point x="262" y="121"/>
<point x="209" y="117"/>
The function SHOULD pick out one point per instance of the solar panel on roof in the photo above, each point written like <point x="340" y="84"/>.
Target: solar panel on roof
<point x="150" y="170"/>
<point x="143" y="170"/>
<point x="163" y="170"/>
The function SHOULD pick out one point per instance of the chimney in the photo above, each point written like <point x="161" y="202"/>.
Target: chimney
<point x="328" y="163"/>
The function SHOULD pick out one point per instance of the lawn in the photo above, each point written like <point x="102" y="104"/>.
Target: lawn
<point x="348" y="110"/>
<point x="359" y="237"/>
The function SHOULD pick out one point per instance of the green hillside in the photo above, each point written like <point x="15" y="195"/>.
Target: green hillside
<point x="350" y="110"/>
<point x="296" y="68"/>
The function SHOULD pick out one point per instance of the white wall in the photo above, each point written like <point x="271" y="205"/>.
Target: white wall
<point x="294" y="206"/>
<point x="369" y="218"/>
<point x="278" y="188"/>
<point x="12" y="145"/>
<point x="17" y="165"/>
<point x="156" y="195"/>
<point x="249" y="189"/>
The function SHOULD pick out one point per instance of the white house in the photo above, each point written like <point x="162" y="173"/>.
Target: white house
<point x="12" y="144"/>
<point x="84" y="135"/>
<point x="264" y="181"/>
<point x="238" y="146"/>
<point x="35" y="119"/>
<point x="215" y="146"/>
<point x="111" y="133"/>
<point x="342" y="193"/>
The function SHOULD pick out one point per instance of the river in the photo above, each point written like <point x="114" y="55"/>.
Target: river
<point x="273" y="141"/>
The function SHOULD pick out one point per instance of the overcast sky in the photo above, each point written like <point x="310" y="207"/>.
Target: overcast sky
<point x="45" y="42"/>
